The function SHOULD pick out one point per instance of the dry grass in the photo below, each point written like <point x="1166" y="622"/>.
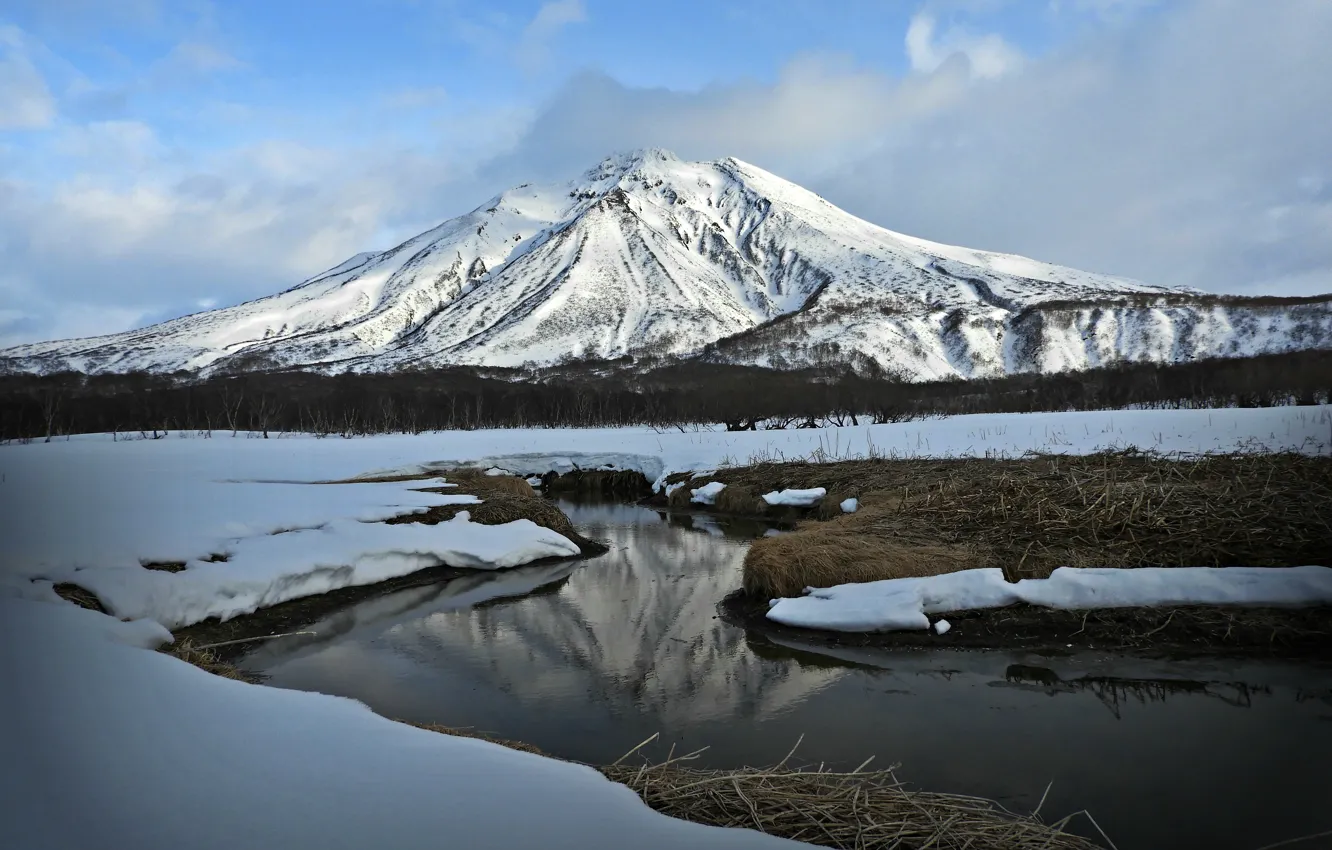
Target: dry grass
<point x="861" y="810"/>
<point x="1030" y="516"/>
<point x="605" y="482"/>
<point x="163" y="566"/>
<point x="476" y="482"/>
<point x="739" y="499"/>
<point x="496" y="509"/>
<point x="503" y="501"/>
<point x="79" y="596"/>
<point x="206" y="659"/>
<point x="827" y="554"/>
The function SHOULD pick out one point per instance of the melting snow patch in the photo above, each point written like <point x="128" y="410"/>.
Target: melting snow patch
<point x="495" y="470"/>
<point x="274" y="568"/>
<point x="850" y="506"/>
<point x="1109" y="588"/>
<point x="535" y="481"/>
<point x="941" y="627"/>
<point x="707" y="494"/>
<point x="671" y="488"/>
<point x="903" y="603"/>
<point x="796" y="498"/>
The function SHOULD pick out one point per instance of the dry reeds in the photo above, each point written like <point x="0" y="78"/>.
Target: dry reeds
<point x="860" y="809"/>
<point x="739" y="499"/>
<point x="79" y="596"/>
<point x="206" y="659"/>
<point x="476" y="482"/>
<point x="827" y="554"/>
<point x="605" y="482"/>
<point x="1121" y="509"/>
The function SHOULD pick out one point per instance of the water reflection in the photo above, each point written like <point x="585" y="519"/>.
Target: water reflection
<point x="598" y="656"/>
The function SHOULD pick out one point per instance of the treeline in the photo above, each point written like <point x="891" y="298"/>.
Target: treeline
<point x="587" y="395"/>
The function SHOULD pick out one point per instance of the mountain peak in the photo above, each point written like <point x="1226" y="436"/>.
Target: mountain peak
<point x="626" y="162"/>
<point x="648" y="255"/>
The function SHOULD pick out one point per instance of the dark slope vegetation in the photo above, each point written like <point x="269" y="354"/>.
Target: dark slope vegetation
<point x="616" y="394"/>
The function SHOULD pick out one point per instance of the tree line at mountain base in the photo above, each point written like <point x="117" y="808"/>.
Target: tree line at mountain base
<point x="614" y="394"/>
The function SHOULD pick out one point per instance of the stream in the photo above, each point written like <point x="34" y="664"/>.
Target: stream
<point x="587" y="659"/>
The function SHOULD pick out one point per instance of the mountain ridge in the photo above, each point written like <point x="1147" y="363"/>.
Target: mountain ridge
<point x="648" y="255"/>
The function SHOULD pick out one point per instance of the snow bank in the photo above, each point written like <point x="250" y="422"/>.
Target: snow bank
<point x="109" y="745"/>
<point x="893" y="604"/>
<point x="179" y="501"/>
<point x="850" y="506"/>
<point x="1108" y="588"/>
<point x="796" y="498"/>
<point x="267" y="570"/>
<point x="659" y="454"/>
<point x="707" y="494"/>
<point x="896" y="604"/>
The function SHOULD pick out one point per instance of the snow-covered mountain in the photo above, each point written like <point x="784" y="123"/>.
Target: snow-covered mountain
<point x="648" y="254"/>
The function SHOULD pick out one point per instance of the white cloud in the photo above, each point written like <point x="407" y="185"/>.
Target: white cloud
<point x="25" y="100"/>
<point x="534" y="44"/>
<point x="1155" y="151"/>
<point x="1189" y="148"/>
<point x="820" y="112"/>
<point x="989" y="55"/>
<point x="1108" y="10"/>
<point x="199" y="57"/>
<point x="424" y="97"/>
<point x="111" y="144"/>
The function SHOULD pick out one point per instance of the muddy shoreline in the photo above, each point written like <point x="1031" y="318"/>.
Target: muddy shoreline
<point x="1170" y="632"/>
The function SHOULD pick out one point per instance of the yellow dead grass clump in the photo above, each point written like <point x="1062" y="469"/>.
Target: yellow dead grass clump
<point x="476" y="482"/>
<point x="1030" y="516"/>
<point x="832" y="553"/>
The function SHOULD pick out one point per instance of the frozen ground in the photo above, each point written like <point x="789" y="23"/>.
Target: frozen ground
<point x="103" y="743"/>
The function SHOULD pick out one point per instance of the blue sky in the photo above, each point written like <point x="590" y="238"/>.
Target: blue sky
<point x="159" y="157"/>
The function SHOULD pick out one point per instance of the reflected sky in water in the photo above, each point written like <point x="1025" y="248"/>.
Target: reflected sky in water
<point x="586" y="660"/>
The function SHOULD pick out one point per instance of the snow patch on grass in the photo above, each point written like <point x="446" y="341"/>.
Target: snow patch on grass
<point x="707" y="494"/>
<point x="796" y="498"/>
<point x="904" y="603"/>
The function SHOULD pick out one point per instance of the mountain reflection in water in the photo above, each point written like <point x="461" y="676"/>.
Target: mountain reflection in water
<point x="587" y="659"/>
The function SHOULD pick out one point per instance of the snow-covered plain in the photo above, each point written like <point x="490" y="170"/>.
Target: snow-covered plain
<point x="904" y="603"/>
<point x="103" y="743"/>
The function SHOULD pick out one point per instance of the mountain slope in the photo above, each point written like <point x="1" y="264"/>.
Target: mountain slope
<point x="646" y="254"/>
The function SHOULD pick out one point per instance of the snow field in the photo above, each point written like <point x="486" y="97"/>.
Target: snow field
<point x="105" y="744"/>
<point x="147" y="751"/>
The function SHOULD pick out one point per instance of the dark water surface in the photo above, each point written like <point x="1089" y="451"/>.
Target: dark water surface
<point x="587" y="660"/>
